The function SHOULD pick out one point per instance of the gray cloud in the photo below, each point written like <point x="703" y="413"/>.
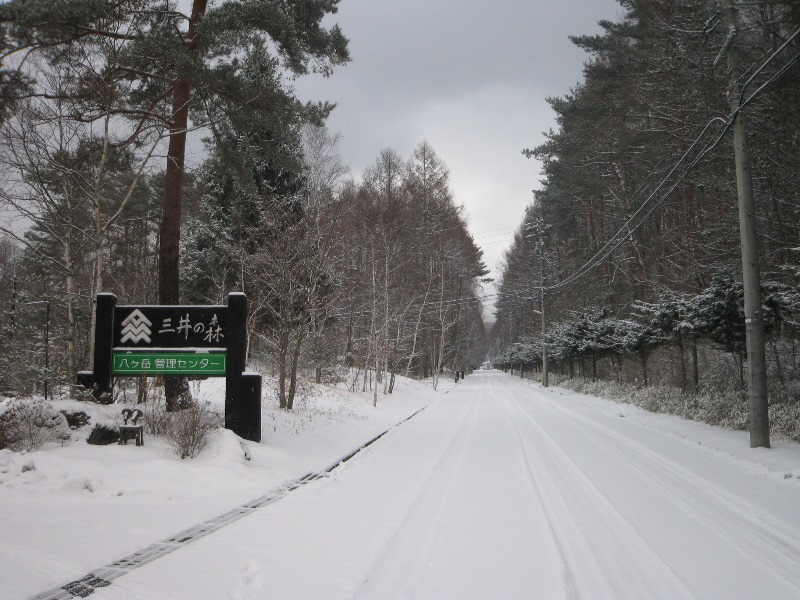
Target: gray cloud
<point x="471" y="77"/>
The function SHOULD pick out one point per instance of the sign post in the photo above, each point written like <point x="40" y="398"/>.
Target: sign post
<point x="179" y="341"/>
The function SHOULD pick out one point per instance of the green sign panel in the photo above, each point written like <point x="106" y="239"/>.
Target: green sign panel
<point x="169" y="363"/>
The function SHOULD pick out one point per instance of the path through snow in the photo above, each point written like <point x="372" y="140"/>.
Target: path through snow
<point x="504" y="490"/>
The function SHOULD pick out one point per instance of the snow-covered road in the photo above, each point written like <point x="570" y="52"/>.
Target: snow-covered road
<point x="504" y="490"/>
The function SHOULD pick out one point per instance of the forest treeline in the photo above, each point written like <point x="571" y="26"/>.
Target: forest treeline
<point x="634" y="232"/>
<point x="357" y="279"/>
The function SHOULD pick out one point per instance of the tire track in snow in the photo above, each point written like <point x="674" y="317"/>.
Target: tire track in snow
<point x="747" y="511"/>
<point x="605" y="554"/>
<point x="478" y="530"/>
<point x="407" y="549"/>
<point x="104" y="576"/>
<point x="593" y="582"/>
<point x="771" y="543"/>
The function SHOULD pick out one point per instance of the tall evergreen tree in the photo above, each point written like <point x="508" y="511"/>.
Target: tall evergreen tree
<point x="179" y="71"/>
<point x="651" y="100"/>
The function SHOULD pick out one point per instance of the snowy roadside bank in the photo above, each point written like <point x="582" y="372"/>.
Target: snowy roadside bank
<point x="67" y="510"/>
<point x="782" y="461"/>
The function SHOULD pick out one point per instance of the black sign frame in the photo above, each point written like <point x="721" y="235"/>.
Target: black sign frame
<point x="135" y="329"/>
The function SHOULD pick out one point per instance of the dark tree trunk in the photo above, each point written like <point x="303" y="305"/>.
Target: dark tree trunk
<point x="170" y="231"/>
<point x="643" y="358"/>
<point x="682" y="360"/>
<point x="293" y="369"/>
<point x="176" y="389"/>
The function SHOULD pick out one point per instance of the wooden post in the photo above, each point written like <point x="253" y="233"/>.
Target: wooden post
<point x="99" y="378"/>
<point x="237" y="322"/>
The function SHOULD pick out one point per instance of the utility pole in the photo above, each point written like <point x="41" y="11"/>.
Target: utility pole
<point x="545" y="378"/>
<point x="46" y="345"/>
<point x="751" y="276"/>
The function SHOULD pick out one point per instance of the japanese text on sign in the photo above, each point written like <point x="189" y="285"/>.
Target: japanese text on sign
<point x="160" y="327"/>
<point x="169" y="363"/>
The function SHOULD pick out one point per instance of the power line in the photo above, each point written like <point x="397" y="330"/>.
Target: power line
<point x="623" y="235"/>
<point x="631" y="225"/>
<point x="766" y="63"/>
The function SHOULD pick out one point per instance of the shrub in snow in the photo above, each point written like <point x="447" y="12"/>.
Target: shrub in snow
<point x="784" y="420"/>
<point x="3" y="434"/>
<point x="76" y="419"/>
<point x="88" y="395"/>
<point x="660" y="399"/>
<point x="102" y="435"/>
<point x="27" y="426"/>
<point x="156" y="417"/>
<point x="190" y="430"/>
<point x="333" y="375"/>
<point x="727" y="408"/>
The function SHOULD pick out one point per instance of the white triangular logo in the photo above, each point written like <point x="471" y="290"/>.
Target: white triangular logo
<point x="136" y="328"/>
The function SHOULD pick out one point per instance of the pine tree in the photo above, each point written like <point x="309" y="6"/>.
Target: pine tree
<point x="176" y="72"/>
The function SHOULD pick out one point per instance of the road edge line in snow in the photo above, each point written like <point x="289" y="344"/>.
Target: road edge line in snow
<point x="103" y="576"/>
<point x="347" y="457"/>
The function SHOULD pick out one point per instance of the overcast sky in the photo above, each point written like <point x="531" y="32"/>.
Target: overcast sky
<point x="470" y="77"/>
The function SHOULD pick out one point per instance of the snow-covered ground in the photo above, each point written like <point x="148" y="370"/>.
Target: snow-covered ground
<point x="498" y="489"/>
<point x="66" y="511"/>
